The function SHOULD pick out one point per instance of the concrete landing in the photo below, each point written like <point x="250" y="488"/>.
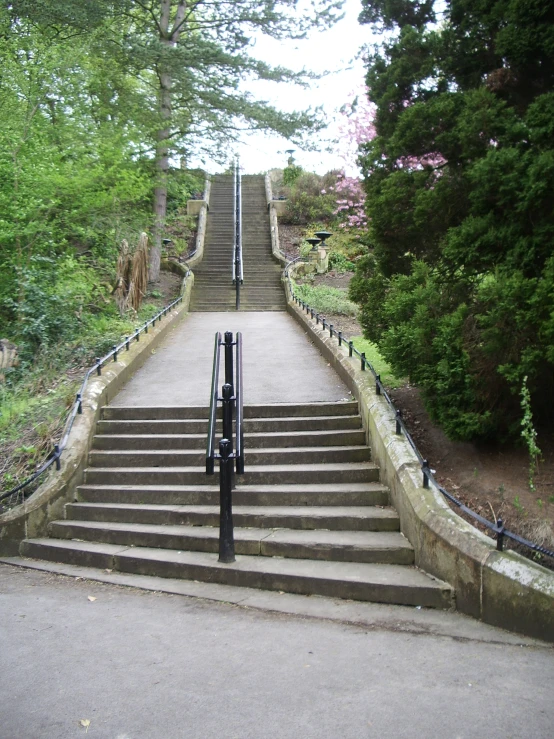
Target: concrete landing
<point x="280" y="364"/>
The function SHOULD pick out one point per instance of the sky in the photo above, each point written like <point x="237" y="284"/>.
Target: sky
<point x="334" y="50"/>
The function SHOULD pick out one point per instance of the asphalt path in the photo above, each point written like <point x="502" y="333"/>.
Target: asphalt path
<point x="133" y="664"/>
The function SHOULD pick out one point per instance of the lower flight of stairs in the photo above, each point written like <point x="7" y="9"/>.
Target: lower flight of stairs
<point x="310" y="514"/>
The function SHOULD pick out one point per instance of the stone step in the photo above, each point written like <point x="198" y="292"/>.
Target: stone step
<point x="341" y="494"/>
<point x="230" y="308"/>
<point x="387" y="547"/>
<point x="270" y="439"/>
<point x="398" y="584"/>
<point x="302" y="474"/>
<point x="251" y="425"/>
<point x="306" y="411"/>
<point x="334" y="518"/>
<point x="253" y="457"/>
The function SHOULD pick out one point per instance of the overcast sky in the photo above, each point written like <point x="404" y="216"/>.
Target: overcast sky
<point x="333" y="50"/>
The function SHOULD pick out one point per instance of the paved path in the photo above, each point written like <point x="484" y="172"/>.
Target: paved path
<point x="142" y="665"/>
<point x="280" y="363"/>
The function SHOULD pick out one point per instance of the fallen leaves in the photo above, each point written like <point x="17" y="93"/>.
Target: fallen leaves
<point x="85" y="723"/>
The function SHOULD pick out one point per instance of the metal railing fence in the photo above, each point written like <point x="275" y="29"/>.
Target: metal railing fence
<point x="54" y="458"/>
<point x="497" y="527"/>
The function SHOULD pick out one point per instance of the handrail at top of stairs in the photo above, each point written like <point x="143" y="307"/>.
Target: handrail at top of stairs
<point x="238" y="276"/>
<point x="232" y="399"/>
<point x="497" y="527"/>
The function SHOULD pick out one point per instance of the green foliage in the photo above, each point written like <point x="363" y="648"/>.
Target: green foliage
<point x="340" y="263"/>
<point x="459" y="290"/>
<point x="381" y="367"/>
<point x="305" y="201"/>
<point x="291" y="173"/>
<point x="529" y="433"/>
<point x="326" y="299"/>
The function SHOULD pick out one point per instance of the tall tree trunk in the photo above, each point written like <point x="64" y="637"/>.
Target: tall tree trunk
<point x="168" y="38"/>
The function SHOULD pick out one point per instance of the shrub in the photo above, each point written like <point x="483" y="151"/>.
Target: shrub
<point x="327" y="299"/>
<point x="306" y="203"/>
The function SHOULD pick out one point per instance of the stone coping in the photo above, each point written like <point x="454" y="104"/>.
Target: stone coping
<point x="31" y="518"/>
<point x="500" y="588"/>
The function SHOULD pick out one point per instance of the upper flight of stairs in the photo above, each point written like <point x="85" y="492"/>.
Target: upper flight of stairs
<point x="213" y="286"/>
<point x="310" y="514"/>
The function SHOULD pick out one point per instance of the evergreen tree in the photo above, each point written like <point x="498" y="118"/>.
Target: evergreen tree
<point x="459" y="289"/>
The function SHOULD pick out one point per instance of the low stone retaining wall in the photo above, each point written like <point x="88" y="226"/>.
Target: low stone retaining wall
<point x="30" y="519"/>
<point x="500" y="588"/>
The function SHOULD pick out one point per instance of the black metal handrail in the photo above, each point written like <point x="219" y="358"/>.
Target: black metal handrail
<point x="428" y="474"/>
<point x="210" y="444"/>
<point x="232" y="405"/>
<point x="237" y="270"/>
<point x="239" y="409"/>
<point x="77" y="408"/>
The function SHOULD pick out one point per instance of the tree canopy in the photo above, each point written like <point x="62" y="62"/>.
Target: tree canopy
<point x="168" y="75"/>
<point x="458" y="290"/>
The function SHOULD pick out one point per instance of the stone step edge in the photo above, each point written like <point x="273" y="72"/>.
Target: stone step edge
<point x="317" y="544"/>
<point x="292" y="488"/>
<point x="384" y="583"/>
<point x="300" y="511"/>
<point x="299" y="517"/>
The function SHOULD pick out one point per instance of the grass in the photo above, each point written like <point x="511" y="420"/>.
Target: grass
<point x="388" y="378"/>
<point x="327" y="299"/>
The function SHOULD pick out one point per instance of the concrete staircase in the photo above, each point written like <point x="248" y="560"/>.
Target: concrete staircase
<point x="310" y="514"/>
<point x="213" y="287"/>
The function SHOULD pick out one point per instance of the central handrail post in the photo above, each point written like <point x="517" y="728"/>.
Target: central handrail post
<point x="229" y="379"/>
<point x="232" y="410"/>
<point x="226" y="533"/>
<point x="228" y="402"/>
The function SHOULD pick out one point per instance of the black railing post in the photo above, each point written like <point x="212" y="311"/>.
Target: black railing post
<point x="229" y="362"/>
<point x="350" y="348"/>
<point x="398" y="421"/>
<point x="227" y="398"/>
<point x="425" y="470"/>
<point x="226" y="538"/>
<point x="500" y="535"/>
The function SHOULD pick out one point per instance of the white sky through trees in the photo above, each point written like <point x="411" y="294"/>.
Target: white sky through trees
<point x="335" y="51"/>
